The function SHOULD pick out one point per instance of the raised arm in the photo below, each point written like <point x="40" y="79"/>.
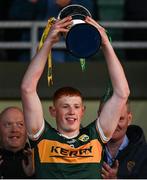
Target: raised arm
<point x="111" y="110"/>
<point x="31" y="103"/>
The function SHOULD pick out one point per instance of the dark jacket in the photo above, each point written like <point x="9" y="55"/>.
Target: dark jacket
<point x="133" y="159"/>
<point x="11" y="167"/>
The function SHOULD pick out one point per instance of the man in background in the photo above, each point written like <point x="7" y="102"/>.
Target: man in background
<point x="126" y="152"/>
<point x="15" y="155"/>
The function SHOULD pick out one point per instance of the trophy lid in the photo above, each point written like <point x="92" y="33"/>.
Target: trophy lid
<point x="75" y="10"/>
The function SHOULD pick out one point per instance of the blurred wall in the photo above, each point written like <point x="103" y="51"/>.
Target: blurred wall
<point x="92" y="83"/>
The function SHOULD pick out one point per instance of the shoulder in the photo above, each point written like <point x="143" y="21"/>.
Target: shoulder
<point x="91" y="131"/>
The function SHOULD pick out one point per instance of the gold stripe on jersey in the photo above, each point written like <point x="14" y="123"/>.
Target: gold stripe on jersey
<point x="56" y="152"/>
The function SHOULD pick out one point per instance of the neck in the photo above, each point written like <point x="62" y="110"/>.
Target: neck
<point x="69" y="135"/>
<point x="113" y="146"/>
<point x="13" y="149"/>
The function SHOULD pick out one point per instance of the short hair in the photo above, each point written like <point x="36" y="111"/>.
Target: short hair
<point x="7" y="109"/>
<point x="66" y="91"/>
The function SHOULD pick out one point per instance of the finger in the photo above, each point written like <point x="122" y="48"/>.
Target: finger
<point x="62" y="27"/>
<point x="106" y="166"/>
<point x="92" y="21"/>
<point x="27" y="152"/>
<point x="116" y="164"/>
<point x="23" y="163"/>
<point x="103" y="176"/>
<point x="64" y="20"/>
<point x="105" y="172"/>
<point x="65" y="25"/>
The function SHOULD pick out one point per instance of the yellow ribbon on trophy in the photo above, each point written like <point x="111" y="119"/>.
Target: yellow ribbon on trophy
<point x="43" y="37"/>
<point x="83" y="64"/>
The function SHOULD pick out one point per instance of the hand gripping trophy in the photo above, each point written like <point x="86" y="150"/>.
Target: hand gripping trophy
<point x="82" y="40"/>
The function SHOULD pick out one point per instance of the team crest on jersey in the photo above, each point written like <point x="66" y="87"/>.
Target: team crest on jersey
<point x="84" y="138"/>
<point x="130" y="165"/>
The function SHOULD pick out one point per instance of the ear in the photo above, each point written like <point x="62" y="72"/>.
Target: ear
<point x="52" y="111"/>
<point x="130" y="116"/>
<point x="83" y="110"/>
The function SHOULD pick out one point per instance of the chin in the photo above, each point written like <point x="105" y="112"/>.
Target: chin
<point x="15" y="145"/>
<point x="115" y="136"/>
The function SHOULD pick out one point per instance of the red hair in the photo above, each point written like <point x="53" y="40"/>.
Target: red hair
<point x="66" y="91"/>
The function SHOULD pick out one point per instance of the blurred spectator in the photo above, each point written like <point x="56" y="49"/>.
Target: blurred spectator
<point x="4" y="10"/>
<point x="15" y="155"/>
<point x="25" y="10"/>
<point x="42" y="10"/>
<point x="126" y="152"/>
<point x="96" y="13"/>
<point x="54" y="7"/>
<point x="135" y="10"/>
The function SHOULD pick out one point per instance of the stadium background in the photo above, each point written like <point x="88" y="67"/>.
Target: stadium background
<point x="92" y="82"/>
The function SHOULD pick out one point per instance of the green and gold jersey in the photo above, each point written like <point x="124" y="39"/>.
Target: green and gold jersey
<point x="57" y="157"/>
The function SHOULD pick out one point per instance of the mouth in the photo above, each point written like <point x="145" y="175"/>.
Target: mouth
<point x="117" y="129"/>
<point x="14" y="138"/>
<point x="70" y="119"/>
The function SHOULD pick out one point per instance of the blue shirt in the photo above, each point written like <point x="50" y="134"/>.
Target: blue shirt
<point x="110" y="159"/>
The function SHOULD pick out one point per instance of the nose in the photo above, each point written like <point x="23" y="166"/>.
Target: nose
<point x="71" y="110"/>
<point x="14" y="128"/>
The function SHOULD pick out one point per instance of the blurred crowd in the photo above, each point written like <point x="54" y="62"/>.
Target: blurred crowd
<point x="34" y="10"/>
<point x="42" y="10"/>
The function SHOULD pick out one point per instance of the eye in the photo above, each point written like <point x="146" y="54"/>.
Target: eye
<point x="77" y="106"/>
<point x="65" y="106"/>
<point x="20" y="125"/>
<point x="8" y="125"/>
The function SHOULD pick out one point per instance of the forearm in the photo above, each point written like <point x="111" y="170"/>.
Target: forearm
<point x="36" y="67"/>
<point x="31" y="103"/>
<point x="116" y="72"/>
<point x="37" y="64"/>
<point x="111" y="111"/>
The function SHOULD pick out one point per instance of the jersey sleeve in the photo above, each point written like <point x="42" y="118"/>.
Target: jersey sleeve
<point x="101" y="133"/>
<point x="38" y="134"/>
